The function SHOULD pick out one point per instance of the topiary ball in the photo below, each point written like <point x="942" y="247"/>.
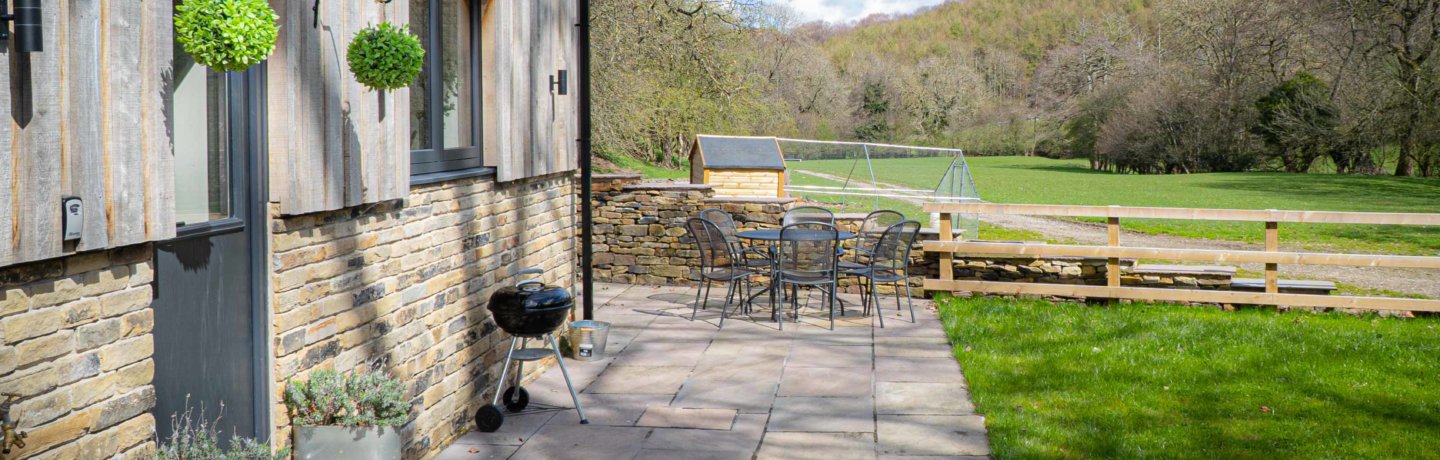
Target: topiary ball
<point x="226" y="35"/>
<point x="385" y="56"/>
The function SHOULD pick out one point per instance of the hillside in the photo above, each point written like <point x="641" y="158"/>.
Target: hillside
<point x="1028" y="28"/>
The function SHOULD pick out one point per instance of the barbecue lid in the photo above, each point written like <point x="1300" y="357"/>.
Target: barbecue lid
<point x="532" y="295"/>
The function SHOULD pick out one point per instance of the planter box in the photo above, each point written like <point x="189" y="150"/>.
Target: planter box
<point x="348" y="443"/>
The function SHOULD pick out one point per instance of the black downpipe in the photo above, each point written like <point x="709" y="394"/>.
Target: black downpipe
<point x="587" y="270"/>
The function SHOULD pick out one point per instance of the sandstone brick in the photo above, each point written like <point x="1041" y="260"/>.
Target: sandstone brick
<point x="44" y="348"/>
<point x="76" y="367"/>
<point x="66" y="429"/>
<point x="123" y="353"/>
<point x="119" y="303"/>
<point x="82" y="263"/>
<point x="30" y="382"/>
<point x="94" y="335"/>
<point x="124" y="408"/>
<point x="32" y="324"/>
<point x="44" y="408"/>
<point x="54" y="292"/>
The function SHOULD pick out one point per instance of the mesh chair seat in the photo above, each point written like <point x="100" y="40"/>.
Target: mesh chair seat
<point x="807" y="278"/>
<point x="728" y="273"/>
<point x="881" y="275"/>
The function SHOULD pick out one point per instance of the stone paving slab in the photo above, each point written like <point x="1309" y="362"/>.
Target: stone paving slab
<point x="812" y="355"/>
<point x="679" y="417"/>
<point x="834" y="382"/>
<point x="582" y="442"/>
<point x="912" y="347"/>
<point x="854" y="415"/>
<point x="743" y="436"/>
<point x="921" y="398"/>
<point x="817" y="446"/>
<point x="932" y="435"/>
<point x="748" y="390"/>
<point x="639" y="380"/>
<point x="910" y="369"/>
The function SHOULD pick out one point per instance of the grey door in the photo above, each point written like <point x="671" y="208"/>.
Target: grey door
<point x="209" y="283"/>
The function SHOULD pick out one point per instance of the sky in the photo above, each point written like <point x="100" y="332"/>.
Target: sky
<point x="839" y="11"/>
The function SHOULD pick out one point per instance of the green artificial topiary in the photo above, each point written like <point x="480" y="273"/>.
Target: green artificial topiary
<point x="385" y="56"/>
<point x="364" y="398"/>
<point x="226" y="35"/>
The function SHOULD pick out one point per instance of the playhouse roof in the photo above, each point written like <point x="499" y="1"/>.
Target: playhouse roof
<point x="739" y="152"/>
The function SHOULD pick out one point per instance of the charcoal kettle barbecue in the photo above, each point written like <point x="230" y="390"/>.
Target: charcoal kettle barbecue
<point x="528" y="310"/>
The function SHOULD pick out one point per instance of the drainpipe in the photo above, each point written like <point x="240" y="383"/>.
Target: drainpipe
<point x="587" y="270"/>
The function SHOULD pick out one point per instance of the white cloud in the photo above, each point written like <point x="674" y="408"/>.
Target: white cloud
<point x="838" y="11"/>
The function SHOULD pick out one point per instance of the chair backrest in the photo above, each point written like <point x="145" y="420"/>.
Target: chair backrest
<point x="714" y="249"/>
<point x="874" y="226"/>
<point x="892" y="250"/>
<point x="722" y="220"/>
<point x="800" y="214"/>
<point x="808" y="248"/>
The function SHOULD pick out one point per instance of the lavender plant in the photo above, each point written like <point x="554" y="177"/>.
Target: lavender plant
<point x="197" y="438"/>
<point x="363" y="398"/>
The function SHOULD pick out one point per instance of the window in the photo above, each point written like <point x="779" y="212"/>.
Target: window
<point x="201" y="142"/>
<point x="445" y="98"/>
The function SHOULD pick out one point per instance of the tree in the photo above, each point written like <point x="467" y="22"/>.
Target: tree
<point x="1407" y="32"/>
<point x="1297" y="120"/>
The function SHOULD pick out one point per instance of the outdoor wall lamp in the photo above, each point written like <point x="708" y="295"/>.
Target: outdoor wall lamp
<point x="27" y="25"/>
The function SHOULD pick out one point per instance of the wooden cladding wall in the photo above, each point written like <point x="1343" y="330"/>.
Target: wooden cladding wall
<point x="333" y="143"/>
<point x="530" y="129"/>
<point x="86" y="117"/>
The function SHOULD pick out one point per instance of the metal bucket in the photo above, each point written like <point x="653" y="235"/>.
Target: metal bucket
<point x="587" y="339"/>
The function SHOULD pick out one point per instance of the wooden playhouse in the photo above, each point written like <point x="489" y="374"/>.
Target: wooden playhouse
<point x="739" y="166"/>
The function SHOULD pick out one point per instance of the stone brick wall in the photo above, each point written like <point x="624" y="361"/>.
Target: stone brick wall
<point x="745" y="183"/>
<point x="640" y="235"/>
<point x="406" y="284"/>
<point x="76" y="346"/>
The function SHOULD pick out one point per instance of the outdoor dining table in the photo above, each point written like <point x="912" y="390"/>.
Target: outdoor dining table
<point x="772" y="236"/>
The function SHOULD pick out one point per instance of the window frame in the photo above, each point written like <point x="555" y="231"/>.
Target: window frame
<point x="440" y="158"/>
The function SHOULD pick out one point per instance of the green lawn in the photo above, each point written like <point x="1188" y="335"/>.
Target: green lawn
<point x="856" y="204"/>
<point x="1149" y="381"/>
<point x="1045" y="181"/>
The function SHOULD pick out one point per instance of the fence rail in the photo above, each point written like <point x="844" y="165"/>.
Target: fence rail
<point x="1272" y="257"/>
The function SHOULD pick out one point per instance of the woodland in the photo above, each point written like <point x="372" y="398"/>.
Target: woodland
<point x="1134" y="86"/>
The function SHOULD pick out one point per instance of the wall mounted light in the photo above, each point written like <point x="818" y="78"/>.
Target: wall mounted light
<point x="26" y="17"/>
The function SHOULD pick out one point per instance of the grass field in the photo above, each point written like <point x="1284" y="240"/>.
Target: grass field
<point x="1148" y="381"/>
<point x="1045" y="181"/>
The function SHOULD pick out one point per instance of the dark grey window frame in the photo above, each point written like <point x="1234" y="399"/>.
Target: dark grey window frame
<point x="440" y="158"/>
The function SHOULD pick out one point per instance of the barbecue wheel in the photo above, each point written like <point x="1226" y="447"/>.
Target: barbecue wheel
<point x="516" y="399"/>
<point x="489" y="418"/>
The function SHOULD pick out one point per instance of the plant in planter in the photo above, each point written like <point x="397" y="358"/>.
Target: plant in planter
<point x="338" y="414"/>
<point x="226" y="35"/>
<point x="198" y="438"/>
<point x="385" y="56"/>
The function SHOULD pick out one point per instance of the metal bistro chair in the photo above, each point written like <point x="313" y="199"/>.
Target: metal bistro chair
<point x="806" y="257"/>
<point x="800" y="214"/>
<point x="717" y="263"/>
<point x="889" y="263"/>
<point x="726" y="223"/>
<point x="870" y="231"/>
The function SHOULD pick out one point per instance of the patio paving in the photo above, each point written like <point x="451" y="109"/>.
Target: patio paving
<point x="674" y="388"/>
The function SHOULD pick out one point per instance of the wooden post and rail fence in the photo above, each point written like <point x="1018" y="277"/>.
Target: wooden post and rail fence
<point x="1271" y="256"/>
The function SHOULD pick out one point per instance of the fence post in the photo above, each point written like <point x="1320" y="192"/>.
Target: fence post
<point x="947" y="257"/>
<point x="1112" y="265"/>
<point x="1272" y="244"/>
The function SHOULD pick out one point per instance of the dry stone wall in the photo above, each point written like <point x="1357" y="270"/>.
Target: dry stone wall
<point x="76" y="346"/>
<point x="406" y="284"/>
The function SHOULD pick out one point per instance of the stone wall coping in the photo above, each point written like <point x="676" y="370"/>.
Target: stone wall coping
<point x="617" y="177"/>
<point x="666" y="186"/>
<point x="738" y="199"/>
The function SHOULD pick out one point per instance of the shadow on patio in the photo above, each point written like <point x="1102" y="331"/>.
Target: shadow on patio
<point x="674" y="388"/>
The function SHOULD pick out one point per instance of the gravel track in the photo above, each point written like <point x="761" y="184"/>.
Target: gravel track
<point x="1410" y="281"/>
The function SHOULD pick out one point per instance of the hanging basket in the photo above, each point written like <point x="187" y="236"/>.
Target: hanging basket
<point x="226" y="35"/>
<point x="385" y="56"/>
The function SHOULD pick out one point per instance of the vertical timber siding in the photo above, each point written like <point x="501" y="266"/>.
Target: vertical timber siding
<point x="529" y="42"/>
<point x="86" y="118"/>
<point x="333" y="143"/>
